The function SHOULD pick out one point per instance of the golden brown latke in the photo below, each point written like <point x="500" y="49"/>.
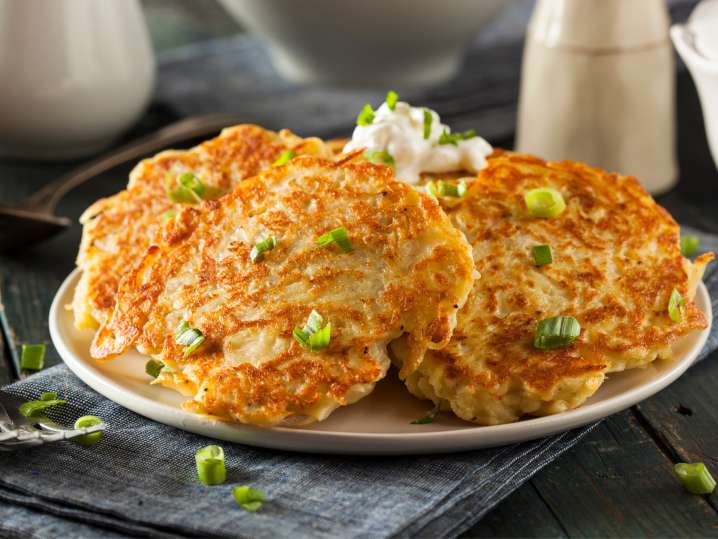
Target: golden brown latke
<point x="409" y="273"/>
<point x="616" y="260"/>
<point x="119" y="229"/>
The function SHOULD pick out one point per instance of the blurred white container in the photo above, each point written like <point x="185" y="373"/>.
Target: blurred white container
<point x="74" y="74"/>
<point x="697" y="43"/>
<point x="598" y="86"/>
<point x="373" y="42"/>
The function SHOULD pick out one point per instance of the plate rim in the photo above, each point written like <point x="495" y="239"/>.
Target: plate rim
<point x="339" y="442"/>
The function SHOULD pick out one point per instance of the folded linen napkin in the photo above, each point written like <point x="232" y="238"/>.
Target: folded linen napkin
<point x="140" y="479"/>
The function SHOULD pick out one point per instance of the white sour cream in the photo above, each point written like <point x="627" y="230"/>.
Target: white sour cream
<point x="401" y="133"/>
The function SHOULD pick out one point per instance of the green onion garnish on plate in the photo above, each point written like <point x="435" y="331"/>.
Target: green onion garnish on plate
<point x="455" y="138"/>
<point x="541" y="254"/>
<point x="445" y="189"/>
<point x="556" y="332"/>
<point x="35" y="408"/>
<point x="428" y="120"/>
<point x="366" y="116"/>
<point x="257" y="252"/>
<point x="248" y="498"/>
<point x="88" y="421"/>
<point x="429" y="417"/>
<point x="313" y="336"/>
<point x="210" y="465"/>
<point x="689" y="245"/>
<point x="153" y="367"/>
<point x="544" y="202"/>
<point x="676" y="305"/>
<point x="166" y="216"/>
<point x="339" y="235"/>
<point x="48" y="396"/>
<point x="379" y="157"/>
<point x="695" y="477"/>
<point x="284" y="158"/>
<point x="391" y="99"/>
<point x="187" y="189"/>
<point x="191" y="338"/>
<point x="32" y="357"/>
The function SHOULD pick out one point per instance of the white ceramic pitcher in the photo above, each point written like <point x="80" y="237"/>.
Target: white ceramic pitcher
<point x="73" y="75"/>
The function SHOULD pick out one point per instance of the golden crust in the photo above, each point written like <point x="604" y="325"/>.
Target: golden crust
<point x="409" y="273"/>
<point x="119" y="229"/>
<point x="615" y="262"/>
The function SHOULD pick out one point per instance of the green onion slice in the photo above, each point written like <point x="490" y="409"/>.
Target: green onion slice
<point x="153" y="367"/>
<point x="428" y="120"/>
<point x="248" y="498"/>
<point x="166" y="216"/>
<point x="544" y="202"/>
<point x="35" y="408"/>
<point x="366" y="116"/>
<point x="676" y="305"/>
<point x="541" y="254"/>
<point x="391" y="99"/>
<point x="191" y="338"/>
<point x="257" y="252"/>
<point x="32" y="357"/>
<point x="695" y="477"/>
<point x="455" y="138"/>
<point x="85" y="421"/>
<point x="444" y="189"/>
<point x="429" y="417"/>
<point x="556" y="332"/>
<point x="210" y="465"/>
<point x="689" y="245"/>
<point x="313" y="336"/>
<point x="379" y="157"/>
<point x="48" y="396"/>
<point x="284" y="158"/>
<point x="340" y="236"/>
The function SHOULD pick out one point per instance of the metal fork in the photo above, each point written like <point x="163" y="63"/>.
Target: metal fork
<point x="18" y="431"/>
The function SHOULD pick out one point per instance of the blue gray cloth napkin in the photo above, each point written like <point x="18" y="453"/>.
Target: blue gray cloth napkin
<point x="140" y="479"/>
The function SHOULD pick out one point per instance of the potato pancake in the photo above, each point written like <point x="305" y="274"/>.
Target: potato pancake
<point x="616" y="261"/>
<point x="118" y="230"/>
<point x="408" y="271"/>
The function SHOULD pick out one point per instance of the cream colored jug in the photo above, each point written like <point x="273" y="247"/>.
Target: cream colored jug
<point x="598" y="85"/>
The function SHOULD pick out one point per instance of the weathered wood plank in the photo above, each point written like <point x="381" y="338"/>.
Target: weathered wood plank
<point x="618" y="483"/>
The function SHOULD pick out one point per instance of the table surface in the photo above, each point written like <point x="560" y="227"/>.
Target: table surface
<point x="617" y="482"/>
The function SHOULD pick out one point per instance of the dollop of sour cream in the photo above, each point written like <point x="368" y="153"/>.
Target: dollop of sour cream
<point x="400" y="133"/>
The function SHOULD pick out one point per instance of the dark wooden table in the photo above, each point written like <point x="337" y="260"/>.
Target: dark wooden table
<point x="617" y="482"/>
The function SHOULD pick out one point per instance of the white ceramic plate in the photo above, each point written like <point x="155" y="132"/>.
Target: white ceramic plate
<point x="377" y="425"/>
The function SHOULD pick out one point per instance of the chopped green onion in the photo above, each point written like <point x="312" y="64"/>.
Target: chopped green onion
<point x="284" y="158"/>
<point x="391" y="98"/>
<point x="248" y="498"/>
<point x="210" y="465"/>
<point x="85" y="421"/>
<point x="379" y="157"/>
<point x="444" y="189"/>
<point x="166" y="216"/>
<point x="313" y="336"/>
<point x="689" y="245"/>
<point x="48" y="396"/>
<point x="340" y="236"/>
<point x="366" y="116"/>
<point x="676" y="304"/>
<point x="428" y="119"/>
<point x="34" y="408"/>
<point x="429" y="417"/>
<point x="188" y="189"/>
<point x="556" y="332"/>
<point x="695" y="477"/>
<point x="544" y="202"/>
<point x="257" y="252"/>
<point x="32" y="357"/>
<point x="541" y="254"/>
<point x="192" y="338"/>
<point x="153" y="367"/>
<point x="455" y="138"/>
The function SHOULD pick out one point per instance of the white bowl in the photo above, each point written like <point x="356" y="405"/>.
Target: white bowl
<point x="388" y="42"/>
